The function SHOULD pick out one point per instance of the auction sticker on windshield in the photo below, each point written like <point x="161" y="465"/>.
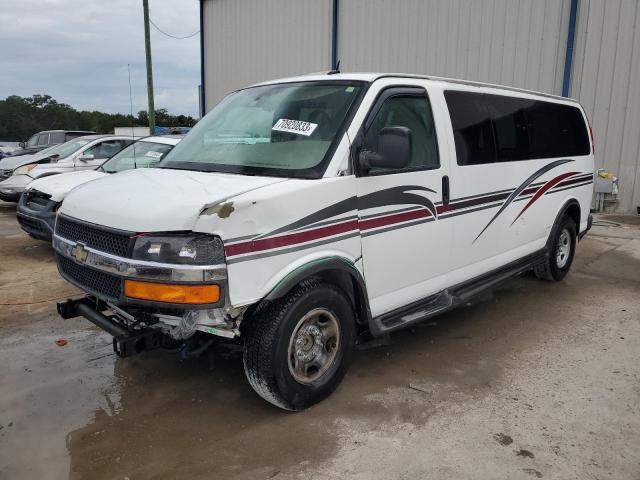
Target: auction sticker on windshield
<point x="295" y="126"/>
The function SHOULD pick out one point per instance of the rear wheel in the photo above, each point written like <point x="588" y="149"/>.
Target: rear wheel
<point x="562" y="250"/>
<point x="297" y="348"/>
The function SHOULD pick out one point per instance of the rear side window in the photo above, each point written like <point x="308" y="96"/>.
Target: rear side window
<point x="497" y="128"/>
<point x="57" y="137"/>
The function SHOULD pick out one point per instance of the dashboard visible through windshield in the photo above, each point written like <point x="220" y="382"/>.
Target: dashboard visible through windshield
<point x="283" y="129"/>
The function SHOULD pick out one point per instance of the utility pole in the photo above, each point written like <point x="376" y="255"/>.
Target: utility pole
<point x="147" y="50"/>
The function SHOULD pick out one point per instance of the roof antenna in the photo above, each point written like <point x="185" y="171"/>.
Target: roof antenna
<point x="335" y="70"/>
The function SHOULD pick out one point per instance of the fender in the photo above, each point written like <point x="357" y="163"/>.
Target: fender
<point x="326" y="265"/>
<point x="570" y="204"/>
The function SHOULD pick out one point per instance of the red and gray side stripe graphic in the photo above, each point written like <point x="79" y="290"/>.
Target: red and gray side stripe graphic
<point x="341" y="221"/>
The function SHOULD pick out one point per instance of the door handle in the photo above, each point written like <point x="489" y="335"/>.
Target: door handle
<point x="445" y="190"/>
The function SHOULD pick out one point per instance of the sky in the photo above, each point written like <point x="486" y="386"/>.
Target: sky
<point x="77" y="51"/>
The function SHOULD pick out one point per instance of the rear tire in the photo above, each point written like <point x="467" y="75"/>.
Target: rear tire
<point x="561" y="252"/>
<point x="297" y="348"/>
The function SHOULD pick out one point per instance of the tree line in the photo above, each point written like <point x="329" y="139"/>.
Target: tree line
<point x="21" y="117"/>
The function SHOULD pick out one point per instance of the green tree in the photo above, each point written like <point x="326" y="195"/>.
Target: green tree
<point x="21" y="117"/>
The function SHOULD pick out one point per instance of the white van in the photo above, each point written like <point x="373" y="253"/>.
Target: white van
<point x="302" y="213"/>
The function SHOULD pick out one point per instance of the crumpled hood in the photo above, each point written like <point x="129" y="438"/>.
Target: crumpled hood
<point x="155" y="199"/>
<point x="59" y="185"/>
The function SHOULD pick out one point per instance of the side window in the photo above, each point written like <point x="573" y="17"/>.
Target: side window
<point x="498" y="128"/>
<point x="472" y="129"/>
<point x="557" y="130"/>
<point x="33" y="141"/>
<point x="106" y="149"/>
<point x="43" y="139"/>
<point x="413" y="112"/>
<point x="57" y="137"/>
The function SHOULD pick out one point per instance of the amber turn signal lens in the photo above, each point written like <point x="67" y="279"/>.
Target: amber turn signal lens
<point x="167" y="293"/>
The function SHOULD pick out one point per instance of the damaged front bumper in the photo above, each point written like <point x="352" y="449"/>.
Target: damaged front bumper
<point x="126" y="341"/>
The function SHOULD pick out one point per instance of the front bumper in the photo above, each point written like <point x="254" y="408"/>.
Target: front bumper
<point x="126" y="342"/>
<point x="37" y="216"/>
<point x="103" y="275"/>
<point x="13" y="187"/>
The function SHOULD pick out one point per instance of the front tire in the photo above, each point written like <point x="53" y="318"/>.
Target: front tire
<point x="297" y="349"/>
<point x="562" y="250"/>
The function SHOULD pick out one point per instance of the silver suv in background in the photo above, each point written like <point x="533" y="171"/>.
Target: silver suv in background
<point x="42" y="140"/>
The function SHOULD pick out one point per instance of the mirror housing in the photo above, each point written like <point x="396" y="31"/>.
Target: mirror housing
<point x="394" y="150"/>
<point x="86" y="157"/>
<point x="22" y="144"/>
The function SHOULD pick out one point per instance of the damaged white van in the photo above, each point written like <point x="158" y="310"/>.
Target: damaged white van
<point x="303" y="213"/>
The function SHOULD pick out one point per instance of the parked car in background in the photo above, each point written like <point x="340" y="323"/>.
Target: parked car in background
<point x="39" y="203"/>
<point x="82" y="153"/>
<point x="10" y="163"/>
<point x="301" y="213"/>
<point x="7" y="148"/>
<point x="42" y="140"/>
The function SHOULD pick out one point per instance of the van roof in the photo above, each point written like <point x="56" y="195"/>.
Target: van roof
<point x="372" y="77"/>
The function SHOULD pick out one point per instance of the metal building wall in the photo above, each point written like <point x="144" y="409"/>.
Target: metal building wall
<point x="511" y="42"/>
<point x="606" y="79"/>
<point x="520" y="43"/>
<point x="249" y="41"/>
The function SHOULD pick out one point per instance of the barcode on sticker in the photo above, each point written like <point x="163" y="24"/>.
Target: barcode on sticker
<point x="295" y="126"/>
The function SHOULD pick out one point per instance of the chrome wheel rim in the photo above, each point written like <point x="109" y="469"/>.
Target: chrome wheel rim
<point x="313" y="345"/>
<point x="564" y="249"/>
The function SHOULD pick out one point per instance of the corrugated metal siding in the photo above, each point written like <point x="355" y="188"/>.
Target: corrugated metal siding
<point x="511" y="42"/>
<point x="606" y="79"/>
<point x="520" y="43"/>
<point x="249" y="41"/>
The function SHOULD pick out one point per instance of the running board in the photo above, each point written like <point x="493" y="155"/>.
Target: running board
<point x="452" y="297"/>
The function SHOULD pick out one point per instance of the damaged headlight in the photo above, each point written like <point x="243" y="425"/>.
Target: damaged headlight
<point x="197" y="249"/>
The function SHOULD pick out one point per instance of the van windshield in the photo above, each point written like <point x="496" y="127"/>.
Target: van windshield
<point x="283" y="130"/>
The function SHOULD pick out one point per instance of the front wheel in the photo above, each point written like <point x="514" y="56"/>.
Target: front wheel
<point x="297" y="348"/>
<point x="563" y="247"/>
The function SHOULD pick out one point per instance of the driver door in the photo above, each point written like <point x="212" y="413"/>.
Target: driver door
<point x="405" y="248"/>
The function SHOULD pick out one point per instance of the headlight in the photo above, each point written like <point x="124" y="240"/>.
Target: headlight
<point x="23" y="170"/>
<point x="180" y="249"/>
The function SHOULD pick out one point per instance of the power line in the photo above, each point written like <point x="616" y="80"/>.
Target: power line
<point x="173" y="36"/>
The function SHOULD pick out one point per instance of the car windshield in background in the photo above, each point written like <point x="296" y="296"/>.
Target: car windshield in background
<point x="137" y="155"/>
<point x="68" y="148"/>
<point x="280" y="130"/>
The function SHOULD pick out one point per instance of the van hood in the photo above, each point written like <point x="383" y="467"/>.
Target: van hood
<point x="57" y="186"/>
<point x="156" y="199"/>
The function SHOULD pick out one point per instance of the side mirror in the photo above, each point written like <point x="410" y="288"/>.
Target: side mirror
<point x="86" y="157"/>
<point x="394" y="150"/>
<point x="22" y="145"/>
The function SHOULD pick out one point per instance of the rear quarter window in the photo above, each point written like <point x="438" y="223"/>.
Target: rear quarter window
<point x="498" y="128"/>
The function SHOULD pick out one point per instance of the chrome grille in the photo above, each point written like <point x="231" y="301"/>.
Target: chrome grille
<point x="99" y="283"/>
<point x="115" y="242"/>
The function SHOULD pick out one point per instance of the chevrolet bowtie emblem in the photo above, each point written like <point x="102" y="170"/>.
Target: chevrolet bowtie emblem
<point x="79" y="253"/>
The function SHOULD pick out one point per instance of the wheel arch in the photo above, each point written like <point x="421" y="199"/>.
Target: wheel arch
<point x="336" y="270"/>
<point x="570" y="207"/>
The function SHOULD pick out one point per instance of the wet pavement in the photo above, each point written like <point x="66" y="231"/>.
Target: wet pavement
<point x="533" y="380"/>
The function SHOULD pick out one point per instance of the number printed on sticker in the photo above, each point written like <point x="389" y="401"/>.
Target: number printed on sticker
<point x="295" y="126"/>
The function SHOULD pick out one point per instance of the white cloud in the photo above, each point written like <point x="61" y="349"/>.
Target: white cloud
<point x="77" y="51"/>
